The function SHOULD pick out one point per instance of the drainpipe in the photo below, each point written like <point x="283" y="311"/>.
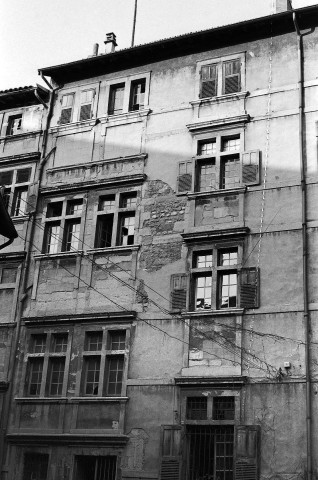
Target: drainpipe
<point x="306" y="316"/>
<point x="23" y="288"/>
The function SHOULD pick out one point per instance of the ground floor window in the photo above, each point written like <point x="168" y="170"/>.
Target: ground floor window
<point x="35" y="466"/>
<point x="95" y="468"/>
<point x="210" y="452"/>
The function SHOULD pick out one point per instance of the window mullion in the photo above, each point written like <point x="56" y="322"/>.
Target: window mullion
<point x="220" y="87"/>
<point x="44" y="384"/>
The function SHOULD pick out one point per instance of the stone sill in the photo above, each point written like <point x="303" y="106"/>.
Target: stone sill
<point x="88" y="124"/>
<point x="214" y="313"/>
<point x="19" y="136"/>
<point x="118" y="249"/>
<point x="71" y="399"/>
<point x="20" y="218"/>
<point x="54" y="256"/>
<point x="220" y="98"/>
<point x="125" y="117"/>
<point x="216" y="193"/>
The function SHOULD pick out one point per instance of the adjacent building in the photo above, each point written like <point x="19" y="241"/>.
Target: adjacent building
<point x="165" y="327"/>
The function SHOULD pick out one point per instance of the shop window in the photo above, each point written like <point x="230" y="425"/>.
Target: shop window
<point x="63" y="228"/>
<point x="16" y="184"/>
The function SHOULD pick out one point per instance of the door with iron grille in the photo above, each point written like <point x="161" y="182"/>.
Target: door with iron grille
<point x="210" y="451"/>
<point x="95" y="468"/>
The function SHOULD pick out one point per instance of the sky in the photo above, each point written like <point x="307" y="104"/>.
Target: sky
<point x="41" y="33"/>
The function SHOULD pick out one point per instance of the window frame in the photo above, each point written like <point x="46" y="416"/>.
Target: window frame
<point x="219" y="63"/>
<point x="105" y="354"/>
<point x="118" y="212"/>
<point x="11" y="189"/>
<point x="10" y="124"/>
<point x="215" y="271"/>
<point x="62" y="221"/>
<point x="46" y="357"/>
<point x="128" y="81"/>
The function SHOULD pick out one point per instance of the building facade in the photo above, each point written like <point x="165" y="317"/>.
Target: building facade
<point x="167" y="324"/>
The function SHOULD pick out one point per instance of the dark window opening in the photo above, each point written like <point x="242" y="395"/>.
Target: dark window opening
<point x="137" y="95"/>
<point x="59" y="342"/>
<point x="95" y="468"/>
<point x="126" y="230"/>
<point x="71" y="235"/>
<point x="35" y="466"/>
<point x="51" y="237"/>
<point x="223" y="408"/>
<point x="106" y="202"/>
<point x="56" y="375"/>
<point x="117" y="339"/>
<point x="104" y="229"/>
<point x="38" y="343"/>
<point x="210" y="452"/>
<point x="86" y="105"/>
<point x="74" y="207"/>
<point x="208" y="81"/>
<point x="14" y="124"/>
<point x="206" y="176"/>
<point x="94" y="341"/>
<point x="197" y="408"/>
<point x="128" y="200"/>
<point x="115" y="375"/>
<point x="54" y="209"/>
<point x="23" y="175"/>
<point x="230" y="172"/>
<point x="116" y="99"/>
<point x="92" y="371"/>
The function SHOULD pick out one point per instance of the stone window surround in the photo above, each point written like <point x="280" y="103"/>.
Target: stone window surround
<point x="219" y="62"/>
<point x="15" y="185"/>
<point x="76" y="396"/>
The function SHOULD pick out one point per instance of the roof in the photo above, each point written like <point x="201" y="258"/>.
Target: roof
<point x="181" y="45"/>
<point x="22" y="96"/>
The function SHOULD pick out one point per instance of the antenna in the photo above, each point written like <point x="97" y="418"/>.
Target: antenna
<point x="134" y="25"/>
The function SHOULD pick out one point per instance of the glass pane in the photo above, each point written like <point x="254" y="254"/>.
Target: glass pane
<point x="117" y="340"/>
<point x="20" y="201"/>
<point x="207" y="148"/>
<point x="231" y="174"/>
<point x="6" y="177"/>
<point x="92" y="375"/>
<point x="230" y="144"/>
<point x="127" y="229"/>
<point x="228" y="290"/>
<point x="115" y="375"/>
<point x="67" y="101"/>
<point x="56" y="369"/>
<point x="203" y="292"/>
<point x="203" y="259"/>
<point x="72" y="232"/>
<point x="228" y="257"/>
<point x="35" y="375"/>
<point x="94" y="341"/>
<point x="128" y="200"/>
<point x="106" y="203"/>
<point x="59" y="342"/>
<point x="52" y="238"/>
<point x="74" y="207"/>
<point x="38" y="343"/>
<point x="23" y="175"/>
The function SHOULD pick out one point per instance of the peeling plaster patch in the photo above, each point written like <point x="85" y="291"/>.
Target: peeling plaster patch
<point x="154" y="257"/>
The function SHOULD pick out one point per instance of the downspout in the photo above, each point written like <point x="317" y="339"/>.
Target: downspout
<point x="301" y="119"/>
<point x="14" y="353"/>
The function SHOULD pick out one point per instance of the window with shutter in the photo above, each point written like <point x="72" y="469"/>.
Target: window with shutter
<point x="67" y="109"/>
<point x="232" y="76"/>
<point x="178" y="291"/>
<point x="184" y="182"/>
<point x="208" y="81"/>
<point x="249" y="287"/>
<point x="86" y="105"/>
<point x="251" y="167"/>
<point x="170" y="464"/>
<point x="247" y="452"/>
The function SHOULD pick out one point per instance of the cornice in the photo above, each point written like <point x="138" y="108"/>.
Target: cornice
<point x="210" y="125"/>
<point x="23" y="157"/>
<point x="227" y="233"/>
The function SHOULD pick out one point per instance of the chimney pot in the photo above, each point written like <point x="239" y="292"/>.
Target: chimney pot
<point x="282" y="6"/>
<point x="110" y="42"/>
<point x="95" y="49"/>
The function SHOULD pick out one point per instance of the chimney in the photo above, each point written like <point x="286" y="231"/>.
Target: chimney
<point x="282" y="6"/>
<point x="110" y="42"/>
<point x="95" y="49"/>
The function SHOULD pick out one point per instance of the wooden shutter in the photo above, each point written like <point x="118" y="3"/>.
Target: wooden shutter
<point x="251" y="167"/>
<point x="208" y="81"/>
<point x="184" y="181"/>
<point x="232" y="76"/>
<point x="247" y="452"/>
<point x="249" y="287"/>
<point x="170" y="464"/>
<point x="178" y="291"/>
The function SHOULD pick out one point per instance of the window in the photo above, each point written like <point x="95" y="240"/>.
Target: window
<point x="14" y="124"/>
<point x="209" y="427"/>
<point x="95" y="467"/>
<point x="8" y="274"/>
<point x="214" y="278"/>
<point x="103" y="362"/>
<point x="67" y="102"/>
<point x="87" y="97"/>
<point x="62" y="230"/>
<point x="115" y="223"/>
<point x="46" y="363"/>
<point x="129" y="94"/>
<point x="116" y="99"/>
<point x="16" y="184"/>
<point x="222" y="76"/>
<point x="219" y="282"/>
<point x="35" y="466"/>
<point x="137" y="95"/>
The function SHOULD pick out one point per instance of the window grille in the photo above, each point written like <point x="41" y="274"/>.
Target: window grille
<point x="223" y="408"/>
<point x="197" y="408"/>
